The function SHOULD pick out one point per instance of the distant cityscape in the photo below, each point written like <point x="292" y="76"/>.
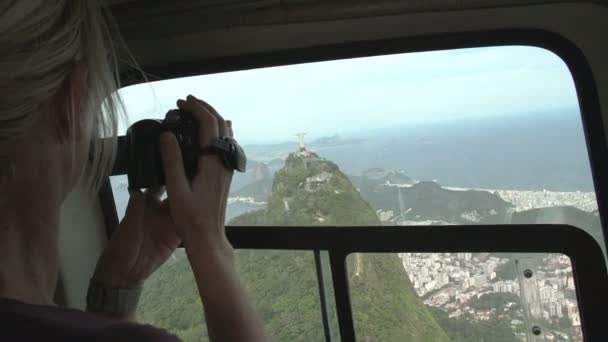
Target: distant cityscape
<point x="450" y="281"/>
<point x="524" y="200"/>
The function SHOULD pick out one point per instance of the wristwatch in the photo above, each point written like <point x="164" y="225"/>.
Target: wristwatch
<point x="112" y="300"/>
<point x="229" y="151"/>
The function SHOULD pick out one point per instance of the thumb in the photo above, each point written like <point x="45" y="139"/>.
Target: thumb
<point x="178" y="186"/>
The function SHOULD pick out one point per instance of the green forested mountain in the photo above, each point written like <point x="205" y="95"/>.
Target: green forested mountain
<point x="312" y="191"/>
<point x="429" y="200"/>
<point x="282" y="284"/>
<point x="259" y="190"/>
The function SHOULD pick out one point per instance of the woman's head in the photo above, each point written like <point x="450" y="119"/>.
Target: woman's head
<point x="57" y="91"/>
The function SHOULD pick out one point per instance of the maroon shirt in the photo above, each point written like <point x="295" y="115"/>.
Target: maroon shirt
<point x="26" y="322"/>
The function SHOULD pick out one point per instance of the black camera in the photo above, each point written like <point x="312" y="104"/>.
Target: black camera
<point x="144" y="164"/>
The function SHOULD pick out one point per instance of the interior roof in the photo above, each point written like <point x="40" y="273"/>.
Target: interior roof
<point x="187" y="40"/>
<point x="166" y="33"/>
<point x="352" y="8"/>
<point x="151" y="26"/>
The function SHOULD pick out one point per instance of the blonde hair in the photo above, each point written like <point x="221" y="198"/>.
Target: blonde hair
<point x="40" y="41"/>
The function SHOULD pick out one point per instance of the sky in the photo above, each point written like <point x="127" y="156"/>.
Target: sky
<point x="350" y="96"/>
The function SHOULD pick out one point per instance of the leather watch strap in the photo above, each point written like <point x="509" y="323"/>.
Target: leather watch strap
<point x="111" y="300"/>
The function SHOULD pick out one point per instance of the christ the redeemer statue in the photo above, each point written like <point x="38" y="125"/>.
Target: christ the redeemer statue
<point x="301" y="141"/>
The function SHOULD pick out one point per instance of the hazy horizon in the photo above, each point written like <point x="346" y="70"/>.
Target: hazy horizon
<point x="270" y="105"/>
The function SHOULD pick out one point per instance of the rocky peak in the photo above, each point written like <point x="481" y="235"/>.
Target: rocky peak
<point x="311" y="189"/>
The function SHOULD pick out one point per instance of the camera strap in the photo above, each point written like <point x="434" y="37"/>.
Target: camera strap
<point x="229" y="151"/>
<point x="219" y="146"/>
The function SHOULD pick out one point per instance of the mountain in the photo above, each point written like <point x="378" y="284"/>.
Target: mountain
<point x="170" y="300"/>
<point x="558" y="215"/>
<point x="275" y="164"/>
<point x="394" y="194"/>
<point x="308" y="190"/>
<point x="388" y="176"/>
<point x="312" y="191"/>
<point x="587" y="221"/>
<point x="256" y="171"/>
<point x="259" y="190"/>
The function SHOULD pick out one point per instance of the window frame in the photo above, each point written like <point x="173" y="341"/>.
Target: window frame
<point x="562" y="47"/>
<point x="586" y="255"/>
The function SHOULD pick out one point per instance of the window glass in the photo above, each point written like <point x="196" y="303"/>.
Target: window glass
<point x="486" y="135"/>
<point x="470" y="136"/>
<point x="281" y="284"/>
<point x="463" y="297"/>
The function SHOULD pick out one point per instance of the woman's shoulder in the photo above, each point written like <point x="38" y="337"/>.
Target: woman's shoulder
<point x="25" y="322"/>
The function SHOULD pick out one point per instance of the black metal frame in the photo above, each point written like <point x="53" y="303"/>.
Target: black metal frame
<point x="586" y="256"/>
<point x="322" y="295"/>
<point x="564" y="48"/>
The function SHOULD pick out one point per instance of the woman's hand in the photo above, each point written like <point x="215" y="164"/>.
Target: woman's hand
<point x="152" y="229"/>
<point x="143" y="241"/>
<point x="198" y="208"/>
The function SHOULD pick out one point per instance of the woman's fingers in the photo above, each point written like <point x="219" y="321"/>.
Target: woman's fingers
<point x="207" y="107"/>
<point x="178" y="187"/>
<point x="221" y="123"/>
<point x="207" y="121"/>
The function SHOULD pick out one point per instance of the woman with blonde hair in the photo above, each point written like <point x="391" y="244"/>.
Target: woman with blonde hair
<point x="58" y="97"/>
